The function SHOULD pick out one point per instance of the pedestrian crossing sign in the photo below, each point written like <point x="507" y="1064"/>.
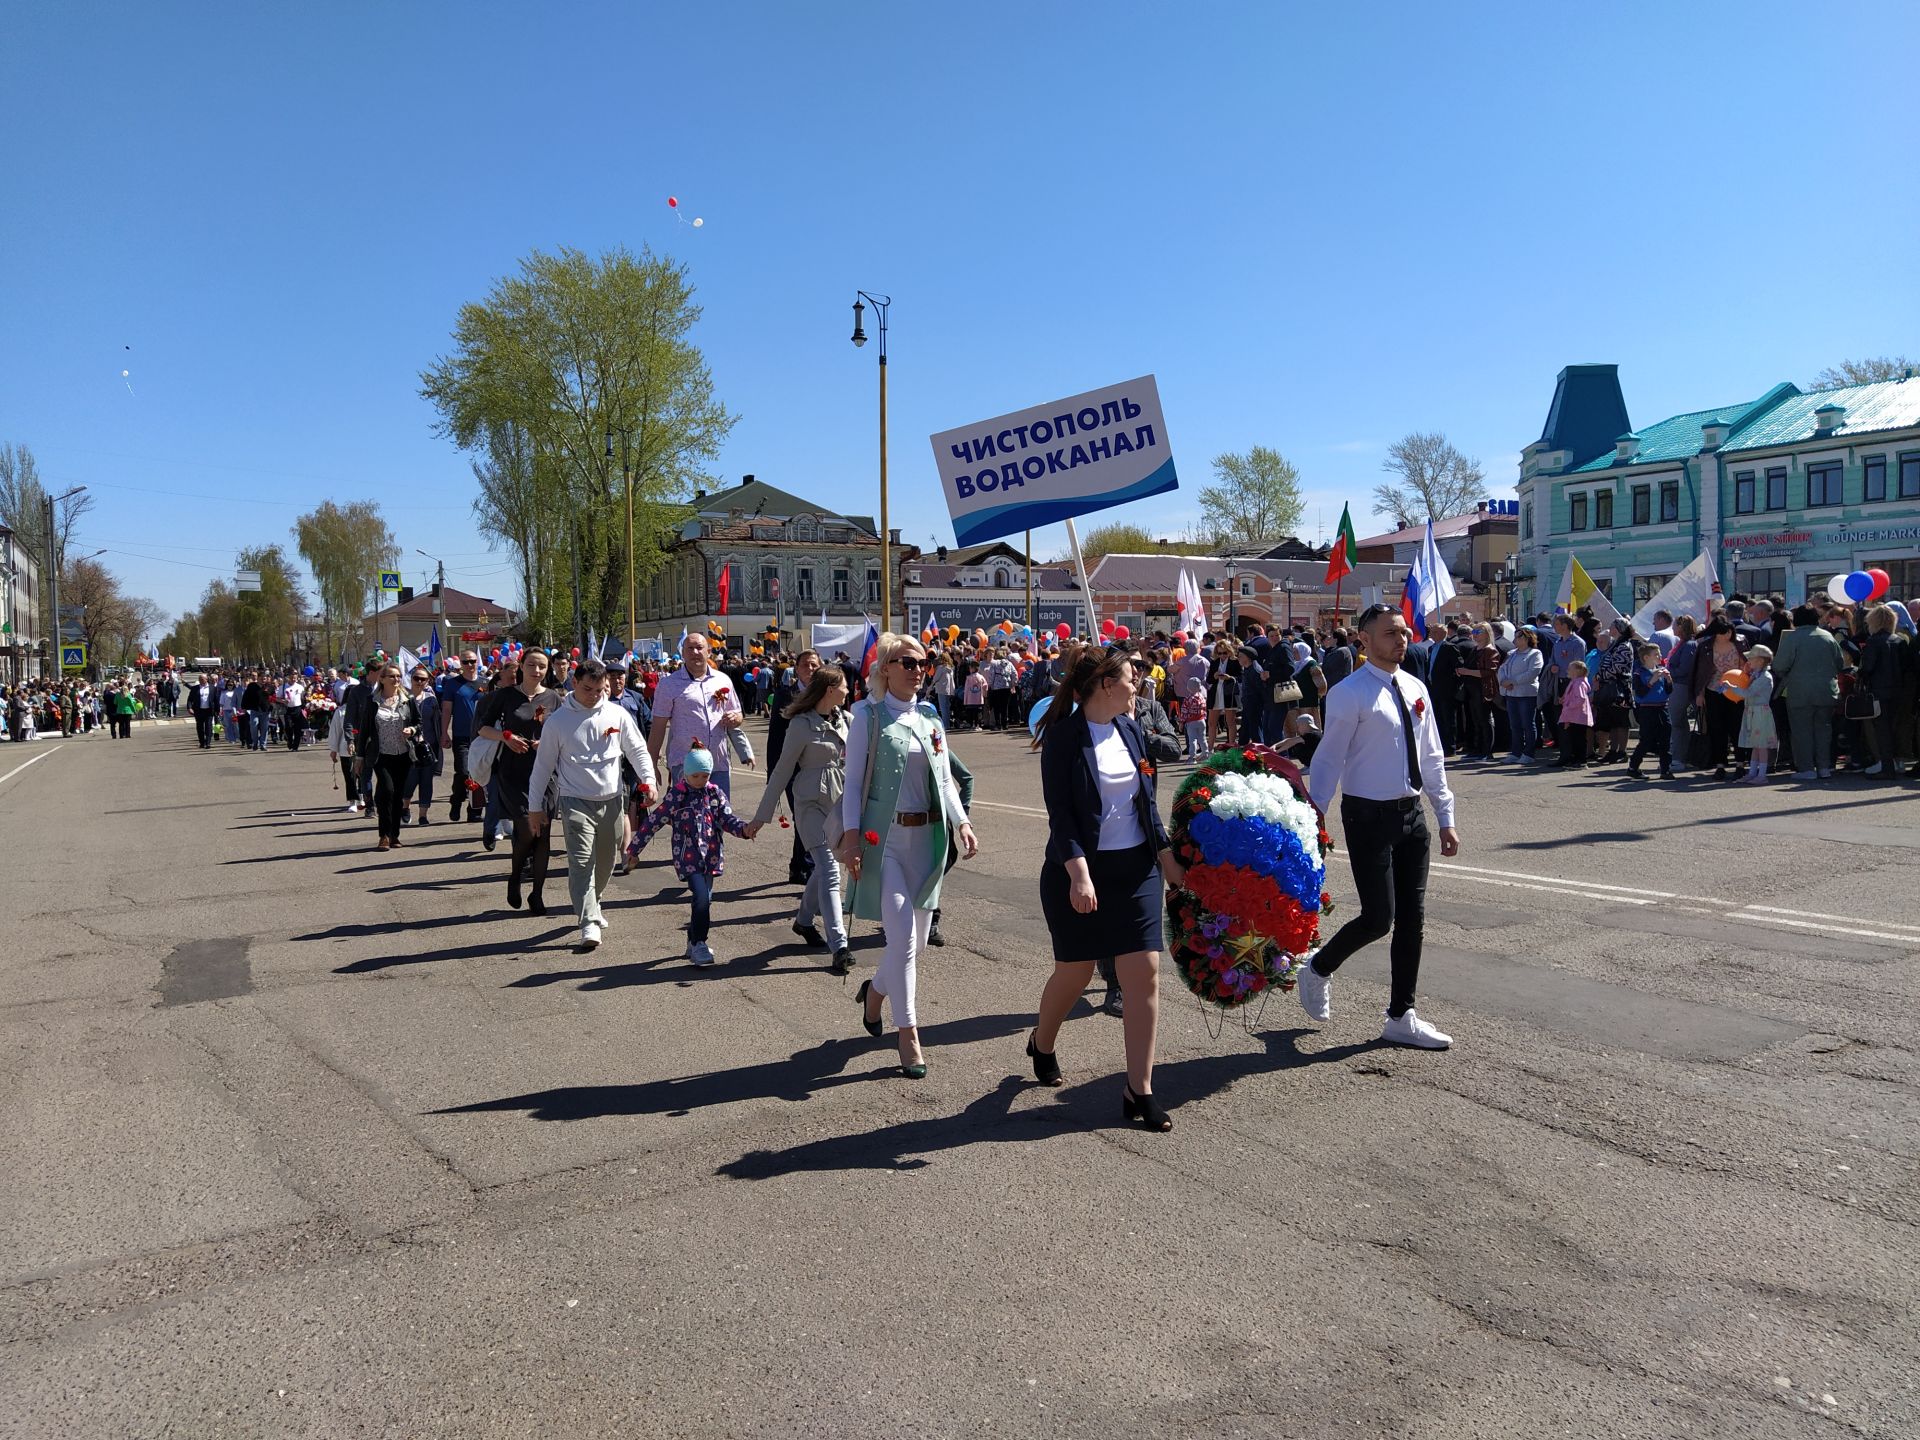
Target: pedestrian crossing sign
<point x="73" y="657"/>
<point x="389" y="579"/>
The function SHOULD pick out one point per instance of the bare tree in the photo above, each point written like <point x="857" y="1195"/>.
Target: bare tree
<point x="1436" y="480"/>
<point x="23" y="498"/>
<point x="1256" y="496"/>
<point x="1864" y="372"/>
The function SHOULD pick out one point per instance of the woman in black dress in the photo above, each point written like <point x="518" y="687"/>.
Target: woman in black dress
<point x="513" y="714"/>
<point x="1101" y="888"/>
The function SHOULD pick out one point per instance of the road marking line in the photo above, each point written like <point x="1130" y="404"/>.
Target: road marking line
<point x="1553" y="889"/>
<point x="35" y="761"/>
<point x="1817" y="915"/>
<point x="996" y="805"/>
<point x="1850" y="930"/>
<point x="1578" y="884"/>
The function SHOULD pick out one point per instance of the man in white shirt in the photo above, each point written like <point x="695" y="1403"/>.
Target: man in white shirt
<point x="1381" y="747"/>
<point x="1663" y="635"/>
<point x="293" y="698"/>
<point x="582" y="744"/>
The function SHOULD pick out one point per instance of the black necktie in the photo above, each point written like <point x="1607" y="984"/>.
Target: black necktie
<point x="1406" y="730"/>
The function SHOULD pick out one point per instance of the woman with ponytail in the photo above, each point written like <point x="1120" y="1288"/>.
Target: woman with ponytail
<point x="1108" y="861"/>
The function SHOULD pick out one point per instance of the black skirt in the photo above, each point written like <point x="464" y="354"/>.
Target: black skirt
<point x="1131" y="911"/>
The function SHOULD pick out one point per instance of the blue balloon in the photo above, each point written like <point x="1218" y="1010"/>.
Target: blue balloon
<point x="308" y="672"/>
<point x="1859" y="587"/>
<point x="1039" y="709"/>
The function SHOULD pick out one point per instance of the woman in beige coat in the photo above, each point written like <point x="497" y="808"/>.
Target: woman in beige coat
<point x="813" y="763"/>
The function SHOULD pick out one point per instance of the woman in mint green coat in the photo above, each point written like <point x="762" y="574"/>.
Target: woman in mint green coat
<point x="899" y="806"/>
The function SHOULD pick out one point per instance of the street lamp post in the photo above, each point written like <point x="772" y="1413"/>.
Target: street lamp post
<point x="1733" y="572"/>
<point x="880" y="304"/>
<point x="1233" y="596"/>
<point x="1287" y="585"/>
<point x="626" y="477"/>
<point x="1500" y="592"/>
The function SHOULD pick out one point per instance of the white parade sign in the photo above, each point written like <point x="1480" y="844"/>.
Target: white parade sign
<point x="1052" y="462"/>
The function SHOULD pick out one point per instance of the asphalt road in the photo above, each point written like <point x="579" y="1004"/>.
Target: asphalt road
<point x="301" y="1139"/>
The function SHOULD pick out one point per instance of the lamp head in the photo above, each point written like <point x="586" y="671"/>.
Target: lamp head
<point x="859" y="331"/>
<point x="609" y="444"/>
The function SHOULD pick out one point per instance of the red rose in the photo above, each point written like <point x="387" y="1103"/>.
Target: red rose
<point x="1419" y="707"/>
<point x="872" y="837"/>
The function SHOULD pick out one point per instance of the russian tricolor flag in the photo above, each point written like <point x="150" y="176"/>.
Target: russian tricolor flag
<point x="1412" y="607"/>
<point x="869" y="649"/>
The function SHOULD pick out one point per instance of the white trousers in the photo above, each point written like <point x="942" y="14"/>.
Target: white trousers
<point x="906" y="862"/>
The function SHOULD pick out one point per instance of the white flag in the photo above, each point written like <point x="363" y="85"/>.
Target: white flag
<point x="407" y="661"/>
<point x="1690" y="592"/>
<point x="1193" y="605"/>
<point x="1435" y="584"/>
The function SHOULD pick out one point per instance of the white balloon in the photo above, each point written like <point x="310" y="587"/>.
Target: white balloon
<point x="698" y="223"/>
<point x="1837" y="588"/>
<point x="124" y="374"/>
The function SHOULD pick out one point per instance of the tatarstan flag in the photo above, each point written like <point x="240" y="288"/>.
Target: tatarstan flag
<point x="1340" y="562"/>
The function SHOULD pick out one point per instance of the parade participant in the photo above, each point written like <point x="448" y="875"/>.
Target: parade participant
<point x="1807" y="672"/>
<point x="1882" y="672"/>
<point x="795" y="683"/>
<point x="389" y="746"/>
<point x="695" y="702"/>
<point x="1108" y="859"/>
<point x="341" y="745"/>
<point x="1680" y="662"/>
<point x="229" y="704"/>
<point x="203" y="701"/>
<point x="1223" y="691"/>
<point x="1382" y="751"/>
<point x="426" y="762"/>
<point x="1576" y="716"/>
<point x="811" y="772"/>
<point x="899" y="804"/>
<point x="622" y="692"/>
<point x="1758" y="733"/>
<point x="1721" y="652"/>
<point x="1652" y="686"/>
<point x="699" y="815"/>
<point x="124" y="705"/>
<point x="580" y="752"/>
<point x="459" y="695"/>
<point x="293" y="702"/>
<point x="255" y="701"/>
<point x="514" y="715"/>
<point x="1613" y="689"/>
<point x="1519" y="681"/>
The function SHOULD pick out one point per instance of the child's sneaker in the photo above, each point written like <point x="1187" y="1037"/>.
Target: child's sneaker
<point x="700" y="953"/>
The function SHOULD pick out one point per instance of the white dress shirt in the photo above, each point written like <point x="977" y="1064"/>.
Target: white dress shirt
<point x="1363" y="748"/>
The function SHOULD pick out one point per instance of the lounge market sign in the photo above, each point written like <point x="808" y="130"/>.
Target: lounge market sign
<point x="1841" y="538"/>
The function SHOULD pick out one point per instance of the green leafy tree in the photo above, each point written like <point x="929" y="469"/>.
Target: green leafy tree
<point x="346" y="547"/>
<point x="1864" y="372"/>
<point x="264" y="619"/>
<point x="1435" y="480"/>
<point x="1254" y="497"/>
<point x="584" y="357"/>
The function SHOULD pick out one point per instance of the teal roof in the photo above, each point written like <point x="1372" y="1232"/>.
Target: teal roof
<point x="1678" y="436"/>
<point x="1882" y="405"/>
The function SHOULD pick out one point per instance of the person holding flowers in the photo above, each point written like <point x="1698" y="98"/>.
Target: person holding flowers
<point x="695" y="702"/>
<point x="900" y="804"/>
<point x="1382" y="750"/>
<point x="1108" y="859"/>
<point x="811" y="771"/>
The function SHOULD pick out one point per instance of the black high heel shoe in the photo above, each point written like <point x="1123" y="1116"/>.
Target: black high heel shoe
<point x="1046" y="1066"/>
<point x="874" y="1027"/>
<point x="1140" y="1110"/>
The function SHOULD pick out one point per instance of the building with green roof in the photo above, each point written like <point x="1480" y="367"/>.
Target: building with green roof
<point x="1783" y="490"/>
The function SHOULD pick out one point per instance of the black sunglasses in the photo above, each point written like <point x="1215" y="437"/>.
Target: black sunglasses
<point x="908" y="662"/>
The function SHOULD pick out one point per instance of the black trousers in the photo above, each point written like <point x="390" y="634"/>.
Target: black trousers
<point x="203" y="728"/>
<point x="460" y="792"/>
<point x="1655" y="733"/>
<point x="1388" y="848"/>
<point x="293" y="727"/>
<point x="390" y="784"/>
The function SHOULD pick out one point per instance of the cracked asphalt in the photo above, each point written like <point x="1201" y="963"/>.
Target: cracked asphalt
<point x="302" y="1139"/>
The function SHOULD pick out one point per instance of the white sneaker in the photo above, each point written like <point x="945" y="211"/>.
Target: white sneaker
<point x="503" y="830"/>
<point x="354" y="808"/>
<point x="1410" y="1029"/>
<point x="1805" y="775"/>
<point x="590" y="936"/>
<point x="1316" y="992"/>
<point x="700" y="953"/>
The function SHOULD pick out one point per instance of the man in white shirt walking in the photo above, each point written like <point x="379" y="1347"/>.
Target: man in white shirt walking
<point x="582" y="744"/>
<point x="1381" y="747"/>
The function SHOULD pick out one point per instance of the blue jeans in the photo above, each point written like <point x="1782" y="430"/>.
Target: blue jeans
<point x="944" y="704"/>
<point x="1520" y="713"/>
<point x="700" y="887"/>
<point x="259" y="735"/>
<point x="821" y="899"/>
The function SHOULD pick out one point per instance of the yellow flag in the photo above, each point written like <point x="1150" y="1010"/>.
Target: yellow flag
<point x="1583" y="591"/>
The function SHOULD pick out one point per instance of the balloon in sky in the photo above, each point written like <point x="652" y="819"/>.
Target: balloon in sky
<point x="698" y="222"/>
<point x="1859" y="587"/>
<point x="673" y="203"/>
<point x="1882" y="582"/>
<point x="1837" y="588"/>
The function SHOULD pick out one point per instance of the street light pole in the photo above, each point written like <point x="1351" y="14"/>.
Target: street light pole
<point x="1233" y="599"/>
<point x="53" y="573"/>
<point x="1287" y="585"/>
<point x="1733" y="572"/>
<point x="880" y="304"/>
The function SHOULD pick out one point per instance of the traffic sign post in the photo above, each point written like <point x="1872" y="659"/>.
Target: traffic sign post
<point x="73" y="656"/>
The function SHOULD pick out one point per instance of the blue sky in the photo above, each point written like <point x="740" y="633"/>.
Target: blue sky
<point x="1320" y="227"/>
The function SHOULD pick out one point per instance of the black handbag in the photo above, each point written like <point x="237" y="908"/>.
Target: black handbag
<point x="1859" y="705"/>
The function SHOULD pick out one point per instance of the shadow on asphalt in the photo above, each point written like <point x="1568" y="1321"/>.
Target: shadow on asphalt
<point x="516" y="946"/>
<point x="798" y="1077"/>
<point x="988" y="1120"/>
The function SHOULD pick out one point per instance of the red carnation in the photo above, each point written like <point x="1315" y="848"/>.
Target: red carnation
<point x="872" y="837"/>
<point x="1145" y="768"/>
<point x="1419" y="706"/>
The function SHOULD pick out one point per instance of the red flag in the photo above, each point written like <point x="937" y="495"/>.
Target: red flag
<point x="726" y="586"/>
<point x="1345" y="547"/>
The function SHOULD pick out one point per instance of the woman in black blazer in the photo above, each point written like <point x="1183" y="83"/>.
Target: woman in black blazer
<point x="1101" y="887"/>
